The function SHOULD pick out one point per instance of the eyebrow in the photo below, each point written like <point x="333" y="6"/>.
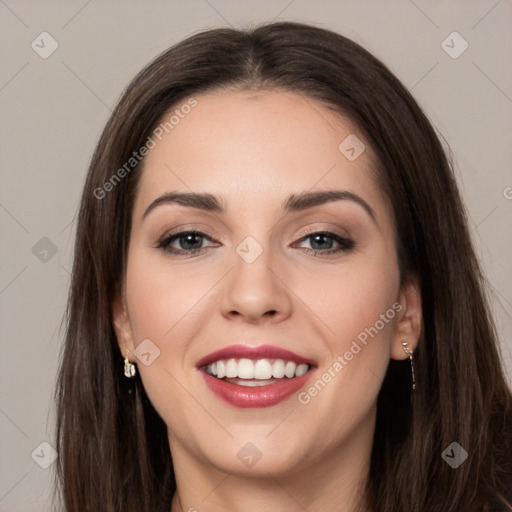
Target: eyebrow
<point x="294" y="203"/>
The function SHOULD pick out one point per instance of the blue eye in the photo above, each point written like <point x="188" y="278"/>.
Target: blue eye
<point x="321" y="238"/>
<point x="190" y="243"/>
<point x="187" y="239"/>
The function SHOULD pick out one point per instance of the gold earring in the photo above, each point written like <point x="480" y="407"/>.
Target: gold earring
<point x="409" y="353"/>
<point x="129" y="368"/>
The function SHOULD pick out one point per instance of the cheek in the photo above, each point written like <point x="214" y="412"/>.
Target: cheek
<point x="162" y="299"/>
<point x="163" y="305"/>
<point x="354" y="297"/>
<point x="358" y="310"/>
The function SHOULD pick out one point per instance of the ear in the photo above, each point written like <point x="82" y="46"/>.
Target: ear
<point x="122" y="324"/>
<point x="409" y="320"/>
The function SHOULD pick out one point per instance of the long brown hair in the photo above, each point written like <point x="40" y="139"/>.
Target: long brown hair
<point x="113" y="452"/>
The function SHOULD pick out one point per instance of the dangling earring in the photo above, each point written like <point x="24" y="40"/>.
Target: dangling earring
<point x="129" y="368"/>
<point x="409" y="353"/>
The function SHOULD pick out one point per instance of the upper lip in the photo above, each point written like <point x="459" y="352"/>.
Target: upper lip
<point x="253" y="352"/>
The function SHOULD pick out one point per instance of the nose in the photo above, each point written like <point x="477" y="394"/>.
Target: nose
<point x="256" y="292"/>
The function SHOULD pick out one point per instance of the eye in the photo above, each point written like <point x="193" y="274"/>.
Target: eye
<point x="190" y="242"/>
<point x="322" y="242"/>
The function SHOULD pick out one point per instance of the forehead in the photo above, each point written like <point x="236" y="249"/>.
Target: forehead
<point x="256" y="148"/>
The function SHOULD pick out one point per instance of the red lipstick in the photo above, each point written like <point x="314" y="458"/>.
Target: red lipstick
<point x="261" y="392"/>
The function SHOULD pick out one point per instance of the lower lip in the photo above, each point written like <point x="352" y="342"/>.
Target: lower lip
<point x="258" y="396"/>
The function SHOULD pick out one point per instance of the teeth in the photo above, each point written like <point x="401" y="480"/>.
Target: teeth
<point x="301" y="370"/>
<point x="254" y="383"/>
<point x="221" y="369"/>
<point x="262" y="369"/>
<point x="278" y="369"/>
<point x="231" y="369"/>
<point x="289" y="370"/>
<point x="246" y="369"/>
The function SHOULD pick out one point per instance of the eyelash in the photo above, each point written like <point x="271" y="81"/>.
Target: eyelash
<point x="164" y="243"/>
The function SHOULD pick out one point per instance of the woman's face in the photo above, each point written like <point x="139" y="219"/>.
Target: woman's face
<point x="265" y="274"/>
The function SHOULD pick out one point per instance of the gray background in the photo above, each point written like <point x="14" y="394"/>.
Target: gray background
<point x="54" y="109"/>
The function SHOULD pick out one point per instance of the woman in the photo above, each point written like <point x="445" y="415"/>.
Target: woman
<point x="218" y="355"/>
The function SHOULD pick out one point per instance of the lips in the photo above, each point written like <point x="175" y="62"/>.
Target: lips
<point x="262" y="376"/>
<point x="259" y="352"/>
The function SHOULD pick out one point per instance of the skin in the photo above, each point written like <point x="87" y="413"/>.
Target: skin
<point x="254" y="149"/>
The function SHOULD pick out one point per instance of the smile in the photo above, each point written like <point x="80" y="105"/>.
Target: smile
<point x="264" y="377"/>
<point x="261" y="369"/>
